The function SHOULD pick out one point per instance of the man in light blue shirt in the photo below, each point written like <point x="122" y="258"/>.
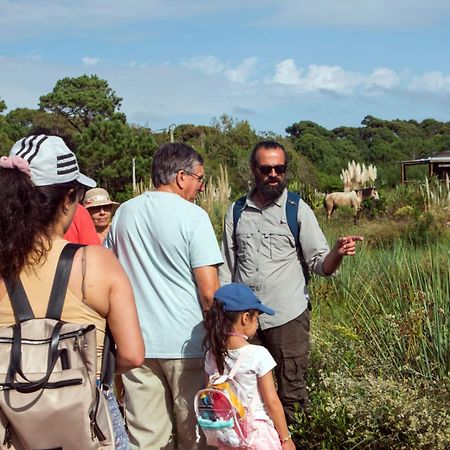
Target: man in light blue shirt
<point x="167" y="246"/>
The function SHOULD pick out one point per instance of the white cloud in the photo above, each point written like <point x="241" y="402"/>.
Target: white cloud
<point x="243" y="71"/>
<point x="89" y="62"/>
<point x="383" y="78"/>
<point x="287" y="73"/>
<point x="334" y="79"/>
<point x="210" y="65"/>
<point x="434" y="82"/>
<point x="329" y="78"/>
<point x="156" y="95"/>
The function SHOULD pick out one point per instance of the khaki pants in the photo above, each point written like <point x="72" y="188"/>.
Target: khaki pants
<point x="159" y="393"/>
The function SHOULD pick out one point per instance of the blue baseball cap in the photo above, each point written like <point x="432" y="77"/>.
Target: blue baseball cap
<point x="239" y="297"/>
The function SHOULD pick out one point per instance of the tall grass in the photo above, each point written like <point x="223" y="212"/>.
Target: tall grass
<point x="397" y="302"/>
<point x="215" y="199"/>
<point x="436" y="193"/>
<point x="380" y="359"/>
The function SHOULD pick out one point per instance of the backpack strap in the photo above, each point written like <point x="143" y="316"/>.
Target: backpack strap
<point x="108" y="360"/>
<point x="19" y="301"/>
<point x="239" y="206"/>
<point x="237" y="364"/>
<point x="60" y="282"/>
<point x="292" y="203"/>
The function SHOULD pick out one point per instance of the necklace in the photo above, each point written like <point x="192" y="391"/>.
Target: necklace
<point x="235" y="333"/>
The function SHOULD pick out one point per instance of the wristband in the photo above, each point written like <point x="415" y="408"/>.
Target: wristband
<point x="283" y="440"/>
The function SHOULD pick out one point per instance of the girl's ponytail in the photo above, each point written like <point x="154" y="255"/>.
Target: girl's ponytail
<point x="218" y="324"/>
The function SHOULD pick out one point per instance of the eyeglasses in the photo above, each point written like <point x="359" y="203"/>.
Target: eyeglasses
<point x="200" y="178"/>
<point x="97" y="209"/>
<point x="279" y="169"/>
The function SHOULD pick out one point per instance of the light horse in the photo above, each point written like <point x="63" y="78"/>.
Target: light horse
<point x="353" y="199"/>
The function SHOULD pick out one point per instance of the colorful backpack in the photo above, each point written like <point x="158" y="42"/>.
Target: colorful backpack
<point x="222" y="410"/>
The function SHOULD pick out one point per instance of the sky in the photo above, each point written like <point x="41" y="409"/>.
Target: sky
<point x="271" y="62"/>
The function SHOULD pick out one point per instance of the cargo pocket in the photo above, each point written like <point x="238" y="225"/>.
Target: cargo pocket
<point x="282" y="246"/>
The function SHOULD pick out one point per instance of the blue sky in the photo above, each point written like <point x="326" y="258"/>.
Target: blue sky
<point x="270" y="62"/>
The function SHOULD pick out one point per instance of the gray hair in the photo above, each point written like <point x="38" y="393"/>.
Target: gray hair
<point x="169" y="159"/>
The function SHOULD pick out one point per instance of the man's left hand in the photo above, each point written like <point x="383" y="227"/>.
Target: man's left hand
<point x="346" y="246"/>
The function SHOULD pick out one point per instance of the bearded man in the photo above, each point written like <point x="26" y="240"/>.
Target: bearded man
<point x="261" y="251"/>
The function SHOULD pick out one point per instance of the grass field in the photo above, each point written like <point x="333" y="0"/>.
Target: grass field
<point x="380" y="359"/>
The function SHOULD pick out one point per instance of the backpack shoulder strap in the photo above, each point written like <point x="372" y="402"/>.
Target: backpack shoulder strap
<point x="59" y="288"/>
<point x="108" y="360"/>
<point x="19" y="300"/>
<point x="241" y="358"/>
<point x="292" y="203"/>
<point x="238" y="207"/>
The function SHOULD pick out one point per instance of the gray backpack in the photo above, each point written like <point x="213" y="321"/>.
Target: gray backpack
<point x="49" y="399"/>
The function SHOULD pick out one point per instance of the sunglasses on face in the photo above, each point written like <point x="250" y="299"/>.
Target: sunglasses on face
<point x="97" y="209"/>
<point x="266" y="170"/>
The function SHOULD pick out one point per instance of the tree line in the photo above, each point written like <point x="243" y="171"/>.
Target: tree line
<point x="86" y="111"/>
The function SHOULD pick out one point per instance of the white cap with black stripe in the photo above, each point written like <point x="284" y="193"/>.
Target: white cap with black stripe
<point x="50" y="160"/>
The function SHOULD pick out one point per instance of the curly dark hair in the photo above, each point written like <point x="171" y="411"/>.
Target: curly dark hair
<point x="218" y="324"/>
<point x="27" y="216"/>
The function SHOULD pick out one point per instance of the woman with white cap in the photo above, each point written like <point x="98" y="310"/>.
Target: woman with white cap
<point x="40" y="187"/>
<point x="101" y="208"/>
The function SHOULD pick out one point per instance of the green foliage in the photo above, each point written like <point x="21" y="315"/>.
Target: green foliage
<point x="3" y="106"/>
<point x="380" y="360"/>
<point x="373" y="412"/>
<point x="230" y="146"/>
<point x="397" y="302"/>
<point x="426" y="229"/>
<point x="80" y="100"/>
<point x="380" y="142"/>
<point x="106" y="149"/>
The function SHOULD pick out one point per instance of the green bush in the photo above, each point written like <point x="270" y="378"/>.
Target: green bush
<point x="380" y="360"/>
<point x="373" y="412"/>
<point x="426" y="229"/>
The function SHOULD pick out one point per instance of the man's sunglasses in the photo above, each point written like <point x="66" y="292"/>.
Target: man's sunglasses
<point x="279" y="169"/>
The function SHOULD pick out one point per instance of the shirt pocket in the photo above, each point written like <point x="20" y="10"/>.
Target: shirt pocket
<point x="282" y="246"/>
<point x="243" y="242"/>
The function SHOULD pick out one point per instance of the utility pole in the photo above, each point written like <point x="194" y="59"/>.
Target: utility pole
<point x="171" y="130"/>
<point x="134" y="175"/>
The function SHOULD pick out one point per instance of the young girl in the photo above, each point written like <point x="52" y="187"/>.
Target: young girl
<point x="229" y="323"/>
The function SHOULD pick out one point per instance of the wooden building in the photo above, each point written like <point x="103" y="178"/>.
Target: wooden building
<point x="438" y="165"/>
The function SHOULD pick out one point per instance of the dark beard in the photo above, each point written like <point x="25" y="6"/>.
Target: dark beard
<point x="269" y="192"/>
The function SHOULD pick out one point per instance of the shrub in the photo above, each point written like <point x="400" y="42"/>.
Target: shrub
<point x="373" y="412"/>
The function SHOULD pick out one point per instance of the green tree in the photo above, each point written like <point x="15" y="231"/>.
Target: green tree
<point x="24" y="121"/>
<point x="5" y="141"/>
<point x="307" y="127"/>
<point x="230" y="145"/>
<point x="81" y="100"/>
<point x="106" y="149"/>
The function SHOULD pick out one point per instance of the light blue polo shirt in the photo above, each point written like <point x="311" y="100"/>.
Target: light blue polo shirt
<point x="159" y="238"/>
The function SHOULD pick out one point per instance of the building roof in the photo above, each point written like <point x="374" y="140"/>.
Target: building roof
<point x="443" y="156"/>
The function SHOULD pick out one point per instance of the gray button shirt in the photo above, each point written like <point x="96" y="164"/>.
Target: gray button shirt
<point x="264" y="257"/>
